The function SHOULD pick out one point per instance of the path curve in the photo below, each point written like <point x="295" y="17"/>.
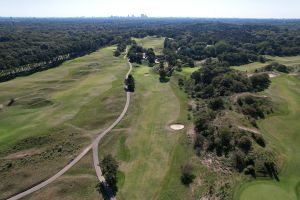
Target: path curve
<point x="81" y="155"/>
<point x="95" y="144"/>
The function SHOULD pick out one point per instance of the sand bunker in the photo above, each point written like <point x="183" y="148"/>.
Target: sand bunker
<point x="146" y="74"/>
<point x="177" y="127"/>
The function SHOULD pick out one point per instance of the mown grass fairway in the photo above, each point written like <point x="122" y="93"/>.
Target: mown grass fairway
<point x="156" y="43"/>
<point x="150" y="154"/>
<point x="55" y="114"/>
<point x="143" y="143"/>
<point x="282" y="131"/>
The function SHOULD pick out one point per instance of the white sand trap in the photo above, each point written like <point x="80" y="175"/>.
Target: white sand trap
<point x="146" y="74"/>
<point x="177" y="127"/>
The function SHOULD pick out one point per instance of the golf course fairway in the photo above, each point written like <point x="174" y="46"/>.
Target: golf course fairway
<point x="282" y="131"/>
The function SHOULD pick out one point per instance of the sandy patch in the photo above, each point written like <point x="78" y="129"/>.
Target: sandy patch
<point x="250" y="75"/>
<point x="177" y="127"/>
<point x="251" y="130"/>
<point x="146" y="74"/>
<point x="22" y="154"/>
<point x="191" y="131"/>
<point x="273" y="75"/>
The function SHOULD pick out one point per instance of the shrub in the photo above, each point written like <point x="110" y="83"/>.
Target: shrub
<point x="259" y="139"/>
<point x="245" y="143"/>
<point x="187" y="176"/>
<point x="239" y="160"/>
<point x="117" y="53"/>
<point x="11" y="102"/>
<point x="260" y="82"/>
<point x="276" y="66"/>
<point x="216" y="104"/>
<point x="250" y="171"/>
<point x="199" y="143"/>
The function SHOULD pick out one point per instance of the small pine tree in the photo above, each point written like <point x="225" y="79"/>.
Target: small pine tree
<point x="130" y="83"/>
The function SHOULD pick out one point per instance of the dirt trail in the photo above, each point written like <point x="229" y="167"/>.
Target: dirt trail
<point x="251" y="130"/>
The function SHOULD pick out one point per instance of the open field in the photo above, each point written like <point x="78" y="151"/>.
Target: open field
<point x="288" y="61"/>
<point x="55" y="114"/>
<point x="156" y="43"/>
<point x="282" y="132"/>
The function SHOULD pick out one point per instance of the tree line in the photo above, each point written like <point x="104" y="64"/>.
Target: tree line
<point x="26" y="42"/>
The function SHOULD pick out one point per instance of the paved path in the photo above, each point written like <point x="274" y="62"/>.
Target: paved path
<point x="96" y="142"/>
<point x="94" y="145"/>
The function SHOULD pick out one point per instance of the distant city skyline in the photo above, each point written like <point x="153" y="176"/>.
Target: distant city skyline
<point x="155" y="8"/>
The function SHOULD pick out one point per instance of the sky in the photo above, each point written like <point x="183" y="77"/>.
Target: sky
<point x="152" y="8"/>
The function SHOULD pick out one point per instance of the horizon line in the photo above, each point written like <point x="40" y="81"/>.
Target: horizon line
<point x="148" y="17"/>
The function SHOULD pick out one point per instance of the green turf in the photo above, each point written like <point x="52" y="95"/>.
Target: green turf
<point x="149" y="153"/>
<point x="289" y="61"/>
<point x="149" y="141"/>
<point x="189" y="70"/>
<point x="250" y="67"/>
<point x="152" y="42"/>
<point x="282" y="131"/>
<point x="56" y="113"/>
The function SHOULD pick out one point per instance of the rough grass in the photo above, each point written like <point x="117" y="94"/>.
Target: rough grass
<point x="78" y="183"/>
<point x="282" y="131"/>
<point x="152" y="42"/>
<point x="57" y="112"/>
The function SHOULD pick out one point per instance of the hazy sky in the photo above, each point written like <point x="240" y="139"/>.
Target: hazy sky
<point x="153" y="8"/>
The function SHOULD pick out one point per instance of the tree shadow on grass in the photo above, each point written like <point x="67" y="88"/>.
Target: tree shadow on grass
<point x="106" y="191"/>
<point x="165" y="80"/>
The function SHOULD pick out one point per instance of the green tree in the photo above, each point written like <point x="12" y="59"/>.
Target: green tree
<point x="109" y="168"/>
<point x="130" y="83"/>
<point x="260" y="82"/>
<point x="190" y="62"/>
<point x="150" y="57"/>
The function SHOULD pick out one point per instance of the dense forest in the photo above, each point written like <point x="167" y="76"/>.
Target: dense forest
<point x="30" y="45"/>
